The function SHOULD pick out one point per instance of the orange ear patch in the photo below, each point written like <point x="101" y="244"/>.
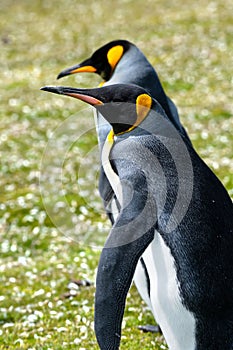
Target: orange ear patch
<point x="114" y="55"/>
<point x="143" y="105"/>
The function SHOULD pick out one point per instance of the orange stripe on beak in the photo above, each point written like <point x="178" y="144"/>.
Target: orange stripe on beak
<point x="87" y="69"/>
<point x="88" y="99"/>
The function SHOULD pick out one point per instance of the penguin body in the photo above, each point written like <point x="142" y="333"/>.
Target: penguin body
<point x="190" y="255"/>
<point x="120" y="61"/>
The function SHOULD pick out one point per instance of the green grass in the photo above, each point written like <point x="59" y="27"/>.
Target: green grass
<point x="45" y="245"/>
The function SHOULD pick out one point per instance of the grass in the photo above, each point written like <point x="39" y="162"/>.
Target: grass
<point x="48" y="241"/>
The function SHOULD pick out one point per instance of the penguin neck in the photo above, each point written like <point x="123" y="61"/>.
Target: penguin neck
<point x="102" y="128"/>
<point x="156" y="123"/>
<point x="128" y="68"/>
<point x="112" y="177"/>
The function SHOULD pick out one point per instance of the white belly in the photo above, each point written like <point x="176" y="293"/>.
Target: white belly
<point x="176" y="322"/>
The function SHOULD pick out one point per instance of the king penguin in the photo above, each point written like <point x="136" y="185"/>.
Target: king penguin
<point x="120" y="61"/>
<point x="172" y="204"/>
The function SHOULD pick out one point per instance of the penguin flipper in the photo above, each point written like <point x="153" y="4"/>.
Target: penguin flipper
<point x="115" y="273"/>
<point x="125" y="245"/>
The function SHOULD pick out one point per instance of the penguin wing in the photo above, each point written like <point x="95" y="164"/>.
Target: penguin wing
<point x="131" y="234"/>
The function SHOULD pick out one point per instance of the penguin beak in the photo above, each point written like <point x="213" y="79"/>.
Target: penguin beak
<point x="85" y="95"/>
<point x="85" y="66"/>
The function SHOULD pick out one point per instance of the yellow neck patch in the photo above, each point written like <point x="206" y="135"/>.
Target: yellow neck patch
<point x="110" y="136"/>
<point x="102" y="83"/>
<point x="114" y="55"/>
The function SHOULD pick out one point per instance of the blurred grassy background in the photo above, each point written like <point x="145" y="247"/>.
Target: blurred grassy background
<point x="190" y="44"/>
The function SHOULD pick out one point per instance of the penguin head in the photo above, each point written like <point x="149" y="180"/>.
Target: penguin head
<point x="123" y="106"/>
<point x="103" y="61"/>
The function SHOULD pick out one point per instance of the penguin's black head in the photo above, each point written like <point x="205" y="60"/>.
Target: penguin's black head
<point x="103" y="61"/>
<point x="123" y="106"/>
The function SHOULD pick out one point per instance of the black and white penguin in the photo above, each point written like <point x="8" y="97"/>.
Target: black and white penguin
<point x="173" y="205"/>
<point x="120" y="61"/>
